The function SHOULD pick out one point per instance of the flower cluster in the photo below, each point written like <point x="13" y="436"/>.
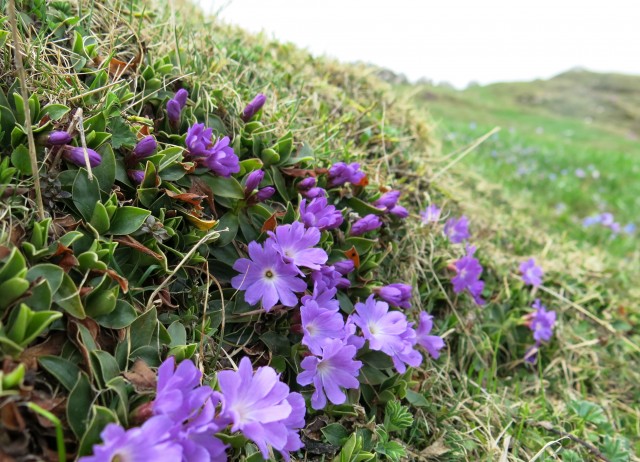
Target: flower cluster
<point x="187" y="415"/>
<point x="218" y="156"/>
<point x="541" y="322"/>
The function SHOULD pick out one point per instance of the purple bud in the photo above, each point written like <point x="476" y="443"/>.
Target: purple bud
<point x="58" y="138"/>
<point x="265" y="193"/>
<point x="398" y="295"/>
<point x="314" y="192"/>
<point x="399" y="211"/>
<point x="307" y="183"/>
<point x="181" y="97"/>
<point x="173" y="111"/>
<point x="76" y="155"/>
<point x="136" y="176"/>
<point x="344" y="266"/>
<point x="253" y="107"/>
<point x="388" y="200"/>
<point x="145" y="147"/>
<point x="363" y="225"/>
<point x="253" y="180"/>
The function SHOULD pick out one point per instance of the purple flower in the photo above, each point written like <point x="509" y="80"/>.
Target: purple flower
<point x="432" y="343"/>
<point x="319" y="214"/>
<point x="324" y="296"/>
<point x="296" y="244"/>
<point x="58" y="138"/>
<point x="75" y="155"/>
<point x="253" y="107"/>
<point x="331" y="278"/>
<point x="136" y="175"/>
<point x="398" y="295"/>
<point x="388" y="200"/>
<point x="266" y="277"/>
<point x="341" y="173"/>
<point x="606" y="219"/>
<point x="457" y="229"/>
<point x="387" y="331"/>
<point x="145" y="147"/>
<point x="319" y="324"/>
<point x="253" y="181"/>
<point x="531" y="273"/>
<point x="314" y="192"/>
<point x="265" y="193"/>
<point x="306" y="184"/>
<point x="469" y="271"/>
<point x="431" y="214"/>
<point x="333" y="370"/>
<point x="366" y="224"/>
<point x="590" y="221"/>
<point x="260" y="406"/>
<point x="199" y="140"/>
<point x="541" y="322"/>
<point x="294" y="423"/>
<point x="221" y="159"/>
<point x="149" y="442"/>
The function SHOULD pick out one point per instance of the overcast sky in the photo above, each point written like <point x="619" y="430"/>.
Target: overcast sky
<point x="458" y="41"/>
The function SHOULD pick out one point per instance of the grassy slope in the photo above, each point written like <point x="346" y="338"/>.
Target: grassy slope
<point x="485" y="403"/>
<point x="550" y="131"/>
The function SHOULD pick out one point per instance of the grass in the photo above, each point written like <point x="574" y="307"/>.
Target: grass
<point x="480" y="400"/>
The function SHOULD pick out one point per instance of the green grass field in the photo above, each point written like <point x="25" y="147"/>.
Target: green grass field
<point x="567" y="148"/>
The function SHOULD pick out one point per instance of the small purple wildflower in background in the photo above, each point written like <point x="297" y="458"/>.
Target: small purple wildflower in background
<point x="367" y="223"/>
<point x="221" y="159"/>
<point x="265" y="193"/>
<point x="592" y="220"/>
<point x="148" y="442"/>
<point x="432" y="343"/>
<point x="531" y="273"/>
<point x="199" y="140"/>
<point x="341" y="173"/>
<point x="266" y="277"/>
<point x="541" y="322"/>
<point x="296" y="244"/>
<point x="387" y="331"/>
<point x="580" y="173"/>
<point x="252" y="182"/>
<point x="319" y="324"/>
<point x="398" y="295"/>
<point x="629" y="229"/>
<point x="253" y="107"/>
<point x="431" y="214"/>
<point x="58" y="138"/>
<point x="145" y="147"/>
<point x="457" y="229"/>
<point x="75" y="155"/>
<point x="469" y="270"/>
<point x="606" y="219"/>
<point x="136" y="175"/>
<point x="333" y="370"/>
<point x="260" y="406"/>
<point x="319" y="214"/>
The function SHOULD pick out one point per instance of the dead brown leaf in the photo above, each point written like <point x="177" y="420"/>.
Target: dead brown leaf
<point x="141" y="376"/>
<point x="134" y="244"/>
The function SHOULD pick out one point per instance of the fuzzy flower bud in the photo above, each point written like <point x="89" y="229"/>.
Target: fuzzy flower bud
<point x="58" y="138"/>
<point x="253" y="180"/>
<point x="145" y="147"/>
<point x="253" y="107"/>
<point x="76" y="155"/>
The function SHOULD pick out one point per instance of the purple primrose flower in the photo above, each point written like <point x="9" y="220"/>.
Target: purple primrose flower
<point x="341" y="173"/>
<point x="531" y="273"/>
<point x="398" y="295"/>
<point x="75" y="155"/>
<point x="469" y="271"/>
<point x="457" y="229"/>
<point x="221" y="159"/>
<point x="145" y="147"/>
<point x="432" y="343"/>
<point x="367" y="223"/>
<point x="319" y="214"/>
<point x="253" y="107"/>
<point x="431" y="214"/>
<point x="296" y="244"/>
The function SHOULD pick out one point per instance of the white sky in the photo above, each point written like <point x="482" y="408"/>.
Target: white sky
<point x="454" y="40"/>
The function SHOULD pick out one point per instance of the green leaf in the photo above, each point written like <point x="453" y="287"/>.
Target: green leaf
<point x="280" y="183"/>
<point x="417" y="399"/>
<point x="21" y="160"/>
<point x="54" y="111"/>
<point x="122" y="134"/>
<point x="143" y="328"/>
<point x="65" y="371"/>
<point x="224" y="187"/>
<point x="105" y="364"/>
<point x="79" y="405"/>
<point x="335" y="434"/>
<point x="14" y="265"/>
<point x="128" y="219"/>
<point x="363" y="208"/>
<point x="106" y="171"/>
<point x="11" y="290"/>
<point x="100" y="218"/>
<point x="122" y="316"/>
<point x="101" y="417"/>
<point x="178" y="334"/>
<point x="397" y="417"/>
<point x="67" y="297"/>
<point x="86" y="193"/>
<point x="228" y="221"/>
